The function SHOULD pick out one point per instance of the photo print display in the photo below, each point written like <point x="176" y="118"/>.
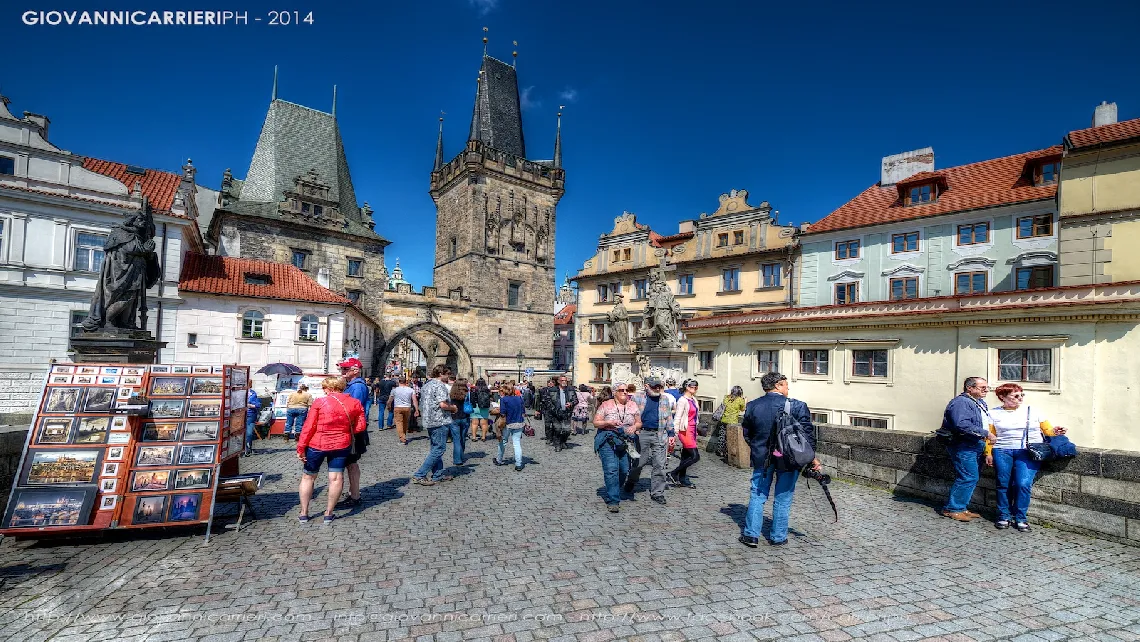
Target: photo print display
<point x="99" y="399"/>
<point x="56" y="379"/>
<point x="54" y="430"/>
<point x="61" y="369"/>
<point x="150" y="510"/>
<point x="179" y="369"/>
<point x="92" y="430"/>
<point x="119" y="423"/>
<point x="85" y="380"/>
<point x="87" y="370"/>
<point x="193" y="478"/>
<point x="166" y="408"/>
<point x="108" y="484"/>
<point x="114" y="453"/>
<point x="108" y="502"/>
<point x="160" y="369"/>
<point x="200" y="431"/>
<point x="149" y="480"/>
<point x="110" y="469"/>
<point x="155" y="456"/>
<point x="119" y="438"/>
<point x="238" y="378"/>
<point x="65" y="466"/>
<point x="160" y="432"/>
<point x="134" y="371"/>
<point x="108" y="380"/>
<point x="206" y="386"/>
<point x="201" y="369"/>
<point x="130" y="381"/>
<point x="185" y="508"/>
<point x="44" y="507"/>
<point x="111" y="370"/>
<point x="168" y="387"/>
<point x="203" y="454"/>
<point x="62" y="400"/>
<point x="204" y="408"/>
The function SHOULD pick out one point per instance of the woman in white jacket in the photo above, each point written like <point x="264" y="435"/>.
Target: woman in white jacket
<point x="685" y="419"/>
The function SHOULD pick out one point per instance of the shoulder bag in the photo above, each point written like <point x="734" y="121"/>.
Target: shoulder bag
<point x="1037" y="452"/>
<point x="348" y="418"/>
<point x="718" y="414"/>
<point x="467" y="408"/>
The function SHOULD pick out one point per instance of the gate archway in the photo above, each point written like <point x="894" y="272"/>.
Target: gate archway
<point x="456" y="356"/>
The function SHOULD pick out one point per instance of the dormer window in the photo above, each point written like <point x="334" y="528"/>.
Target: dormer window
<point x="920" y="194"/>
<point x="252" y="278"/>
<point x="1048" y="173"/>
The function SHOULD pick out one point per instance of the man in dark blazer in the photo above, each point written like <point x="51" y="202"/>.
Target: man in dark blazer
<point x="758" y="422"/>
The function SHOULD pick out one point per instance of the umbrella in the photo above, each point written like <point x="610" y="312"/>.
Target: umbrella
<point x="280" y="369"/>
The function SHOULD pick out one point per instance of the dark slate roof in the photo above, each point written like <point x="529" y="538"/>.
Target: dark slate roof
<point x="496" y="120"/>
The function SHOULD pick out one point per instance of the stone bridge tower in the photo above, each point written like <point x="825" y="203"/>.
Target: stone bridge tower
<point x="495" y="222"/>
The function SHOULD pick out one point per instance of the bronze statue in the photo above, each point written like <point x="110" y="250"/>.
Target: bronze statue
<point x="662" y="315"/>
<point x="130" y="266"/>
<point x="618" y="320"/>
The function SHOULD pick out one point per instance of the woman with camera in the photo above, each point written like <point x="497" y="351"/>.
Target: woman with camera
<point x="616" y="421"/>
<point x="685" y="421"/>
<point x="1018" y="430"/>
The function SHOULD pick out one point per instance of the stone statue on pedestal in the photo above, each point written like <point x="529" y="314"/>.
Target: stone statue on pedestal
<point x="130" y="266"/>
<point x="618" y="320"/>
<point x="662" y="315"/>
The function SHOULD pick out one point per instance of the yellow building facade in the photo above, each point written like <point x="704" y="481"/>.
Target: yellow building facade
<point x="736" y="259"/>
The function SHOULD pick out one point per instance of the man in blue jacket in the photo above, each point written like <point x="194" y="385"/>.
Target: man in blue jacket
<point x="357" y="388"/>
<point x="758" y="422"/>
<point x="252" y="407"/>
<point x="965" y="431"/>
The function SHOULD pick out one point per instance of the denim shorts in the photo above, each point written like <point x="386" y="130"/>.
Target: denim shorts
<point x="338" y="459"/>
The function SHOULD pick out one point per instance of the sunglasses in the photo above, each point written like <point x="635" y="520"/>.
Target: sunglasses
<point x="1017" y="395"/>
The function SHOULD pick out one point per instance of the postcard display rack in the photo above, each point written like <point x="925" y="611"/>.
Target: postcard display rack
<point x="122" y="446"/>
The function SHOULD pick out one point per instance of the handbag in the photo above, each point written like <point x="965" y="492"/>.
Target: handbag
<point x="348" y="417"/>
<point x="467" y="407"/>
<point x="718" y="414"/>
<point x="1037" y="452"/>
<point x="528" y="429"/>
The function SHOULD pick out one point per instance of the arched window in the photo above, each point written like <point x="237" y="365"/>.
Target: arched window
<point x="309" y="325"/>
<point x="252" y="325"/>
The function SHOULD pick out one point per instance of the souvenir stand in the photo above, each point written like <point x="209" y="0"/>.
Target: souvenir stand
<point x="127" y="446"/>
<point x="281" y="398"/>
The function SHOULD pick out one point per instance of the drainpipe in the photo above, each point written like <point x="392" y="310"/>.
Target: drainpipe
<point x="161" y="292"/>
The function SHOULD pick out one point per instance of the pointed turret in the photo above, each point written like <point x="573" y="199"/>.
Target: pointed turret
<point x="558" y="139"/>
<point x="273" y="96"/>
<point x="496" y="120"/>
<point x="439" y="148"/>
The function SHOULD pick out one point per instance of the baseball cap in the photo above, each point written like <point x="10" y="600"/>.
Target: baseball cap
<point x="351" y="362"/>
<point x="653" y="382"/>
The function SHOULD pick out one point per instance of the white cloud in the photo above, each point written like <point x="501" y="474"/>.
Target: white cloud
<point x="526" y="101"/>
<point x="484" y="6"/>
<point x="568" y="95"/>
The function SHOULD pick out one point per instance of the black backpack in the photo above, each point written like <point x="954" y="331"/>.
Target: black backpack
<point x="482" y="398"/>
<point x="791" y="440"/>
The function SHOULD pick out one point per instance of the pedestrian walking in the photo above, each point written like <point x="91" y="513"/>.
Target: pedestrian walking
<point x="436" y="410"/>
<point x="655" y="408"/>
<point x="580" y="418"/>
<point x="385" y="418"/>
<point x="1015" y="428"/>
<point x="296" y="408"/>
<point x="460" y="398"/>
<point x="480" y="410"/>
<point x="331" y="425"/>
<point x="965" y="432"/>
<point x="556" y="401"/>
<point x="357" y="388"/>
<point x="727" y="440"/>
<point x="513" y="411"/>
<point x="671" y="388"/>
<point x="617" y="420"/>
<point x="252" y="406"/>
<point x="685" y="420"/>
<point x="402" y="401"/>
<point x="759" y="422"/>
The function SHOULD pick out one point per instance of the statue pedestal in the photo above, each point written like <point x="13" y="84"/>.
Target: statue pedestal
<point x="668" y="364"/>
<point x="116" y="346"/>
<point x="623" y="367"/>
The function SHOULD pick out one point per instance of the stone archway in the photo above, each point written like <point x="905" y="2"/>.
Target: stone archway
<point x="451" y="350"/>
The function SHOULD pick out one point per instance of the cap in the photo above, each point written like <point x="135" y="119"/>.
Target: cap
<point x="351" y="362"/>
<point x="653" y="382"/>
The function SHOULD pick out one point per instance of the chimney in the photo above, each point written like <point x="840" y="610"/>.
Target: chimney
<point x="42" y="121"/>
<point x="1104" y="114"/>
<point x="900" y="167"/>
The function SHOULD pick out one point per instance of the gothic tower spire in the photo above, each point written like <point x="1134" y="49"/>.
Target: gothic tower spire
<point x="439" y="147"/>
<point x="558" y="139"/>
<point x="274" y="95"/>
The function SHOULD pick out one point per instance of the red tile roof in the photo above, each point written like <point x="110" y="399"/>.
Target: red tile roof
<point x="1001" y="181"/>
<point x="565" y="316"/>
<point x="158" y="187"/>
<point x="226" y="275"/>
<point x="1105" y="134"/>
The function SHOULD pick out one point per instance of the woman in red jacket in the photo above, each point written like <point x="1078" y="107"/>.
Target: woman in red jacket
<point x="328" y="433"/>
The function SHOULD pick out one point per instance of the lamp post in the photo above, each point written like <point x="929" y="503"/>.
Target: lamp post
<point x="519" y="358"/>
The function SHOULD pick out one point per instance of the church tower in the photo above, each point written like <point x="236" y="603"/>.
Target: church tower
<point x="495" y="221"/>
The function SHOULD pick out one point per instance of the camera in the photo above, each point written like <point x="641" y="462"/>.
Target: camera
<point x="821" y="477"/>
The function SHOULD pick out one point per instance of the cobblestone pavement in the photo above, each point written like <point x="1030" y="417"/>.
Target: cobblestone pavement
<point x="499" y="554"/>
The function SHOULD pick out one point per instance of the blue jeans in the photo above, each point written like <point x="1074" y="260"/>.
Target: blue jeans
<point x="781" y="505"/>
<point x="295" y="420"/>
<point x="384" y="412"/>
<point x="1014" y="465"/>
<point x="249" y="434"/>
<point x="458" y="430"/>
<point x="433" y="465"/>
<point x="615" y="467"/>
<point x="964" y="458"/>
<point x="515" y="436"/>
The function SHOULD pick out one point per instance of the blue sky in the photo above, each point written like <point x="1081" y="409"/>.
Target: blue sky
<point x="668" y="104"/>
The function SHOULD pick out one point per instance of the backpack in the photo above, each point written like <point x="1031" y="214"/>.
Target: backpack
<point x="482" y="398"/>
<point x="791" y="440"/>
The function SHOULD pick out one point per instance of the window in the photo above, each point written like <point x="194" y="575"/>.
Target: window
<point x="1040" y="276"/>
<point x="705" y="405"/>
<point x="634" y="328"/>
<point x="685" y="284"/>
<point x="973" y="234"/>
<point x="970" y="283"/>
<point x="639" y="288"/>
<point x="1033" y="226"/>
<point x="308" y="328"/>
<point x="626" y="254"/>
<point x="921" y="194"/>
<point x="846" y="293"/>
<point x="738" y="237"/>
<point x="603" y="293"/>
<point x="318" y="210"/>
<point x="907" y="242"/>
<point x="722" y="240"/>
<point x="847" y="250"/>
<point x="730" y="280"/>
<point x="301" y="259"/>
<point x="615" y="288"/>
<point x="820" y="418"/>
<point x="770" y="275"/>
<point x="191" y="339"/>
<point x="514" y="295"/>
<point x="7" y="165"/>
<point x="257" y="279"/>
<point x="705" y="360"/>
<point x="868" y="422"/>
<point x="89" y="252"/>
<point x="77" y="319"/>
<point x="353" y="295"/>
<point x="767" y="361"/>
<point x="453" y="248"/>
<point x="617" y="255"/>
<point x="356" y="266"/>
<point x="813" y="362"/>
<point x="1033" y="366"/>
<point x="252" y="325"/>
<point x="1048" y="173"/>
<point x="306" y="208"/>
<point x="904" y="288"/>
<point x="869" y="363"/>
<point x="601" y="372"/>
<point x="598" y="332"/>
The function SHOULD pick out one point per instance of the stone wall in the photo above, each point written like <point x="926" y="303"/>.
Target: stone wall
<point x="1097" y="492"/>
